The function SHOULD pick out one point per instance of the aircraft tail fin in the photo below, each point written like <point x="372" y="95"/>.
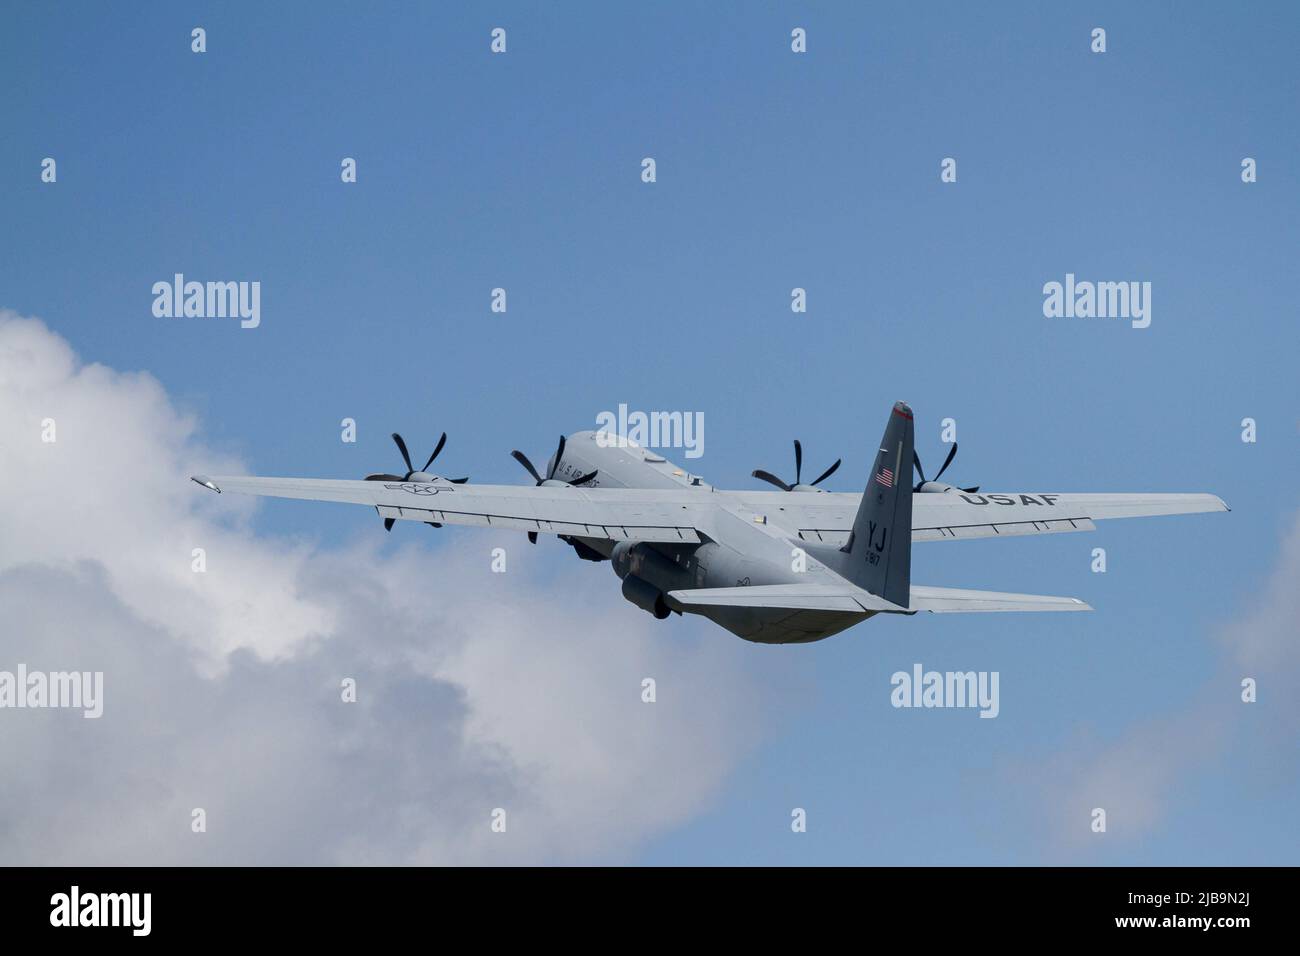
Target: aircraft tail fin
<point x="878" y="554"/>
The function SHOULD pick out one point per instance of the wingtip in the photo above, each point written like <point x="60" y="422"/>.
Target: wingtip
<point x="206" y="482"/>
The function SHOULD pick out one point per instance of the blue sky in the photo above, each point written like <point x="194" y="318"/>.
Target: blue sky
<point x="775" y="170"/>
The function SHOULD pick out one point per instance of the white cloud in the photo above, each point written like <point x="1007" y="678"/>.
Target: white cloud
<point x="222" y="689"/>
<point x="1136" y="777"/>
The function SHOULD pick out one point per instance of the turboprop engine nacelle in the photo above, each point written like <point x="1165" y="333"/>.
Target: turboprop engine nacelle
<point x="638" y="558"/>
<point x="645" y="596"/>
<point x="934" y="487"/>
<point x="647" y="574"/>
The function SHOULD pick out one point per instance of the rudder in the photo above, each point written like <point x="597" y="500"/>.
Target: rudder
<point x="878" y="554"/>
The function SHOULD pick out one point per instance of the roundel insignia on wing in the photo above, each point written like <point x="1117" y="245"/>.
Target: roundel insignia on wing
<point x="412" y="488"/>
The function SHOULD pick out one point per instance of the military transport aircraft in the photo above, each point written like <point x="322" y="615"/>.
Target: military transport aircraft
<point x="776" y="567"/>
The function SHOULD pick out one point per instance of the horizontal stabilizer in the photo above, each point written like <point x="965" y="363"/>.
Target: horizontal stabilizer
<point x="834" y="597"/>
<point x="956" y="600"/>
<point x="809" y="597"/>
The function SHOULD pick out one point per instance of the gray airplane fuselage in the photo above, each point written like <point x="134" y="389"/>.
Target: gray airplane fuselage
<point x="650" y="571"/>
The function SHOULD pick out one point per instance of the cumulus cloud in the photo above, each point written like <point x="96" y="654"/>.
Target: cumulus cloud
<point x="222" y="689"/>
<point x="1135" y="778"/>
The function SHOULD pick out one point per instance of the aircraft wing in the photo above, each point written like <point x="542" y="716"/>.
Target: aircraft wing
<point x="596" y="513"/>
<point x="677" y="516"/>
<point x="959" y="515"/>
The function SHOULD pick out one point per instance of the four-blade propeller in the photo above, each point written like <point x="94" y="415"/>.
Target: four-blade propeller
<point x="411" y="473"/>
<point x="798" y="471"/>
<point x="934" y="484"/>
<point x="422" y="474"/>
<point x="550" y="478"/>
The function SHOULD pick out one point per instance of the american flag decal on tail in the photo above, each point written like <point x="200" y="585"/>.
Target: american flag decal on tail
<point x="885" y="477"/>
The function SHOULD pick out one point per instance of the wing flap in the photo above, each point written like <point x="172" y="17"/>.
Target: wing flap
<point x="997" y="529"/>
<point x="609" y="532"/>
<point x="1002" y="529"/>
